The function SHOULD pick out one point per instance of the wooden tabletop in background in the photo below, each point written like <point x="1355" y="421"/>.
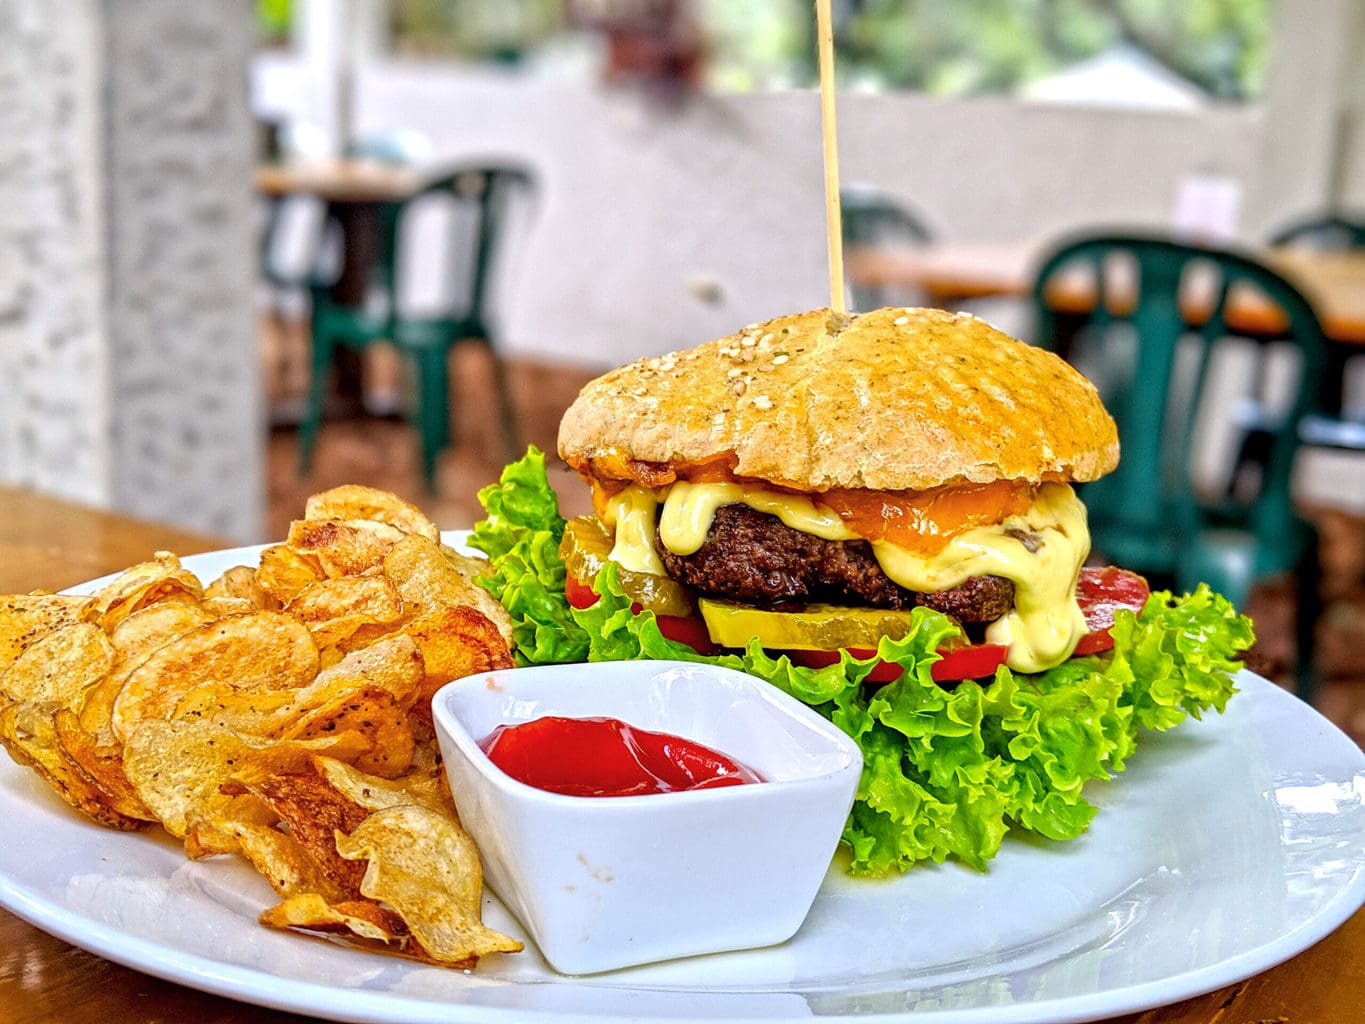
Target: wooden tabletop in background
<point x="49" y="544"/>
<point x="951" y="273"/>
<point x="339" y="181"/>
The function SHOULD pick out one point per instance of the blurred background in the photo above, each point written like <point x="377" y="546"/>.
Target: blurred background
<point x="244" y="246"/>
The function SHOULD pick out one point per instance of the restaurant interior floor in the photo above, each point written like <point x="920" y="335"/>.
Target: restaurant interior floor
<point x="382" y="451"/>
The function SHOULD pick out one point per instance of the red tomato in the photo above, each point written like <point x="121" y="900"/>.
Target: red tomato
<point x="1100" y="592"/>
<point x="580" y="595"/>
<point x="683" y="629"/>
<point x="971" y="661"/>
<point x="882" y="672"/>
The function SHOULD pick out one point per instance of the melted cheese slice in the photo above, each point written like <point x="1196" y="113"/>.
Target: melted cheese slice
<point x="1041" y="630"/>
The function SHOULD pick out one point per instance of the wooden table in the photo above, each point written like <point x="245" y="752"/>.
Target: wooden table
<point x="339" y="181"/>
<point x="950" y="274"/>
<point x="355" y="192"/>
<point x="52" y="544"/>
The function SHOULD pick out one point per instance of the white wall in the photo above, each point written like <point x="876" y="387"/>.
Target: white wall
<point x="128" y="369"/>
<point x="643" y="203"/>
<point x="664" y="226"/>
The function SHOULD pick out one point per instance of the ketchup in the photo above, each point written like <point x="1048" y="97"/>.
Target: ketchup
<point x="607" y="757"/>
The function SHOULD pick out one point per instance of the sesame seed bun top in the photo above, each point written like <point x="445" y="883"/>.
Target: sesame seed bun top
<point x="895" y="399"/>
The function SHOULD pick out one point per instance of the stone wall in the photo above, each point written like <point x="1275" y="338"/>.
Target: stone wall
<point x="54" y="354"/>
<point x="128" y="368"/>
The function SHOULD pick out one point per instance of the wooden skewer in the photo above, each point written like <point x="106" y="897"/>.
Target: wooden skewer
<point x="830" y="137"/>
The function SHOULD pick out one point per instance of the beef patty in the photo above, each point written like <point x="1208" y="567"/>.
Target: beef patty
<point x="755" y="557"/>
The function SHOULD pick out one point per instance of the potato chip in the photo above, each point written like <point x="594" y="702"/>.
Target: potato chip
<point x="354" y="501"/>
<point x="239" y="583"/>
<point x="421" y="784"/>
<point x="344" y="547"/>
<point x="284" y="573"/>
<point x="261" y="651"/>
<point x="220" y="607"/>
<point x="374" y="714"/>
<point x="28" y="733"/>
<point x="26" y="617"/>
<point x="334" y="609"/>
<point x="144" y="584"/>
<point x="177" y="769"/>
<point x="148" y="628"/>
<point x="313" y="811"/>
<point x="426" y="868"/>
<point x="100" y="764"/>
<point x="280" y="712"/>
<point x="59" y="666"/>
<point x="284" y="863"/>
<point x="471" y="568"/>
<point x="311" y="912"/>
<point x="390" y="672"/>
<point x="428" y="581"/>
<point x="455" y="642"/>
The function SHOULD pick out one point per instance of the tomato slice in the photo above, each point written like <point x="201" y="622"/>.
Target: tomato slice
<point x="580" y="595"/>
<point x="1100" y="592"/>
<point x="970" y="661"/>
<point x="683" y="629"/>
<point x="882" y="672"/>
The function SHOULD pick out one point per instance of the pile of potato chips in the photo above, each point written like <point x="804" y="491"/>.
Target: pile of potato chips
<point x="281" y="712"/>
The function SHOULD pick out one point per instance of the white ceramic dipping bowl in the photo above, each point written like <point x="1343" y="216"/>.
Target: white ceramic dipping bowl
<point x="608" y="882"/>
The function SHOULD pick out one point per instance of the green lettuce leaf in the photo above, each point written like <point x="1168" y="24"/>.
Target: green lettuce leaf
<point x="520" y="535"/>
<point x="947" y="772"/>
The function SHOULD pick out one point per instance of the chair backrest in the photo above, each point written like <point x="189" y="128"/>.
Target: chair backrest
<point x="1157" y="327"/>
<point x="403" y="146"/>
<point x="445" y="241"/>
<point x="873" y="218"/>
<point x="293" y="241"/>
<point x="1325" y="233"/>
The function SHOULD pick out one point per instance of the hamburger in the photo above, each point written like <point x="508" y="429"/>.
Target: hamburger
<point x="874" y="513"/>
<point x="811" y="480"/>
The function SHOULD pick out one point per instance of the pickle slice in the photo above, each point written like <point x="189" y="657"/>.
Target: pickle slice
<point x="585" y="549"/>
<point x="817" y="627"/>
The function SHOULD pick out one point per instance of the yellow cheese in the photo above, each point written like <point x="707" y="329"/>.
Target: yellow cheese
<point x="1045" y="624"/>
<point x="1040" y="632"/>
<point x="689" y="509"/>
<point x="630" y="514"/>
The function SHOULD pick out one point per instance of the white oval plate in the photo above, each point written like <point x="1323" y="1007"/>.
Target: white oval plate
<point x="1228" y="846"/>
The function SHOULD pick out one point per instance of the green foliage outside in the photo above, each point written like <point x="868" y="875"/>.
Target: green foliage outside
<point x="966" y="47"/>
<point x="942" y="47"/>
<point x="274" y="20"/>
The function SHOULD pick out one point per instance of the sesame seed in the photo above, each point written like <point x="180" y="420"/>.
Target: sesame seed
<point x="765" y="339"/>
<point x="901" y="321"/>
<point x="738" y="387"/>
<point x="763" y="402"/>
<point x="735" y="372"/>
<point x="766" y="368"/>
<point x="778" y="360"/>
<point x="747" y="341"/>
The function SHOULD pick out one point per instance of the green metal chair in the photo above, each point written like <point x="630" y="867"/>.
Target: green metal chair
<point x="1149" y="341"/>
<point x="870" y="217"/>
<point x="478" y="202"/>
<point x="1344" y="428"/>
<point x="1323" y="233"/>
